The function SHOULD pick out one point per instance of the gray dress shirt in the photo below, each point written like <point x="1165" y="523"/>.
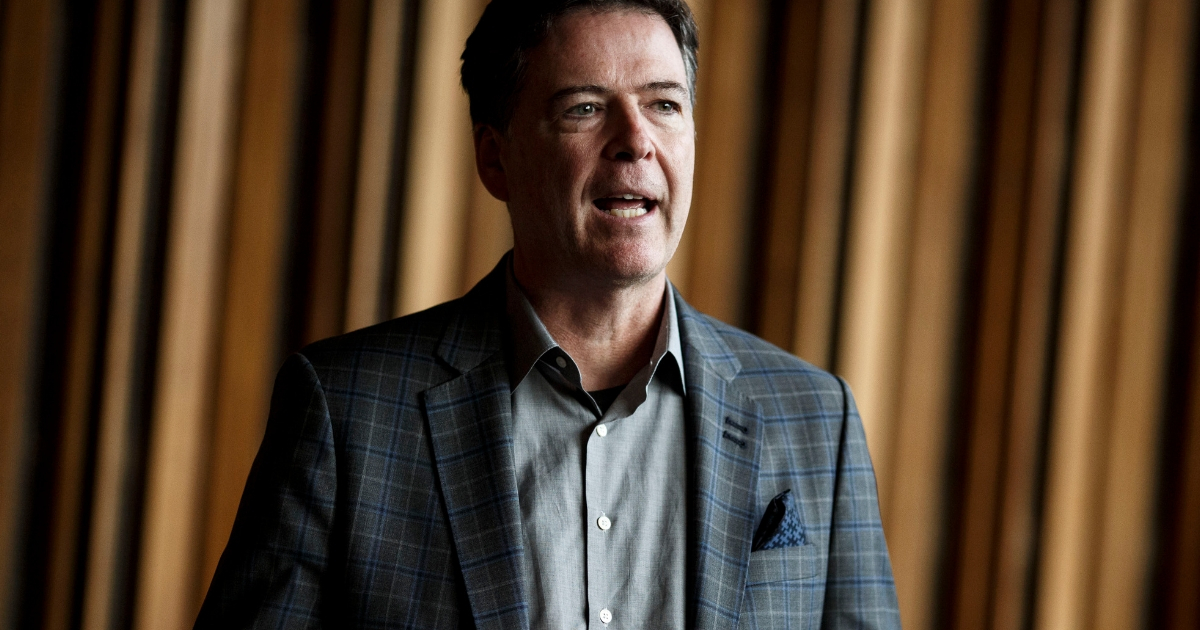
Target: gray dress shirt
<point x="602" y="494"/>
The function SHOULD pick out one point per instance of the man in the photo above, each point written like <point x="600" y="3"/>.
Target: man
<point x="570" y="445"/>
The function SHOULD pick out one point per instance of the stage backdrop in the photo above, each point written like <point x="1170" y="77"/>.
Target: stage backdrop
<point x="982" y="213"/>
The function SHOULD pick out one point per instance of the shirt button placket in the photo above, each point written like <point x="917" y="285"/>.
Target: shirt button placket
<point x="598" y="558"/>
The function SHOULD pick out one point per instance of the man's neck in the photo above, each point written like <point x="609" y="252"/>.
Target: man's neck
<point x="609" y="330"/>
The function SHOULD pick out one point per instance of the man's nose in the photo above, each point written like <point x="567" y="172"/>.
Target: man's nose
<point x="630" y="140"/>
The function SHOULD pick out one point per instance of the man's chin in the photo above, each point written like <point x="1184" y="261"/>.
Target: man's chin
<point x="625" y="269"/>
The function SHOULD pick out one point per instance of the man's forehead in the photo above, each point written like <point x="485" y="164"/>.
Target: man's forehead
<point x="614" y="49"/>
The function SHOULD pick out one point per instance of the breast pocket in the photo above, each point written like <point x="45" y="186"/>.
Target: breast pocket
<point x="784" y="564"/>
<point x="785" y="589"/>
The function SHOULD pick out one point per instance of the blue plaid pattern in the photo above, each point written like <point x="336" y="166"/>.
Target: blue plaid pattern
<point x="384" y="494"/>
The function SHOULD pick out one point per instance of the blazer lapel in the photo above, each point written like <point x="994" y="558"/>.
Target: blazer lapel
<point x="470" y="423"/>
<point x="724" y="448"/>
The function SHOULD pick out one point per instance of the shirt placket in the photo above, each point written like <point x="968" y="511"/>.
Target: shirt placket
<point x="602" y="519"/>
<point x="598" y="502"/>
<point x="609" y="514"/>
<point x="604" y="460"/>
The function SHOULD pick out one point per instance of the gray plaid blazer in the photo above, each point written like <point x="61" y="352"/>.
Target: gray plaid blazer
<point x="384" y="494"/>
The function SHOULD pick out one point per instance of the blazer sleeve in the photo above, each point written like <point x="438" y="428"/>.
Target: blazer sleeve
<point x="272" y="571"/>
<point x="860" y="591"/>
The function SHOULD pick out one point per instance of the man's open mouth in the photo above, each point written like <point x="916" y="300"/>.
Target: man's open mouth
<point x="626" y="206"/>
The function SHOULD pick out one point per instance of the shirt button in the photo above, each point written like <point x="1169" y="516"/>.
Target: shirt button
<point x="604" y="524"/>
<point x="605" y="616"/>
<point x="602" y="430"/>
<point x="562" y="363"/>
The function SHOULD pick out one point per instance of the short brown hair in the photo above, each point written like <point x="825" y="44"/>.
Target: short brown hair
<point x="497" y="52"/>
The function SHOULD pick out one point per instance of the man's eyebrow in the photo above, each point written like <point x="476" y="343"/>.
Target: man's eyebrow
<point x="579" y="89"/>
<point x="665" y="86"/>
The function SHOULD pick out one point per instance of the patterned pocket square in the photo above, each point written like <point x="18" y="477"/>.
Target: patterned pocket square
<point x="780" y="525"/>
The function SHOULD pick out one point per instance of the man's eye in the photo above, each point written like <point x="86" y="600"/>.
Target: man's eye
<point x="666" y="107"/>
<point x="582" y="109"/>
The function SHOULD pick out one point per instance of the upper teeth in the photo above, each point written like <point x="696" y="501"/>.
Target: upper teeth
<point x="629" y="196"/>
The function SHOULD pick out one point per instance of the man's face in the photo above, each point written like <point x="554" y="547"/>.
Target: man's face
<point x="599" y="154"/>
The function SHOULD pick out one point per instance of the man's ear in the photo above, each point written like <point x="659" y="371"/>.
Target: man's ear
<point x="488" y="163"/>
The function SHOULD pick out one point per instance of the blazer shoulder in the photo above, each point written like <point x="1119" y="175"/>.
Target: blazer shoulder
<point x="467" y="325"/>
<point x="762" y="360"/>
<point x="408" y="333"/>
<point x="408" y="339"/>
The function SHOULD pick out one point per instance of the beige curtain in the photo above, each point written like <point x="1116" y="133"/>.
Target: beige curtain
<point x="983" y="214"/>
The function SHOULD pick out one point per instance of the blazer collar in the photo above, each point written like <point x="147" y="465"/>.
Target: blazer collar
<point x="470" y="427"/>
<point x="724" y="447"/>
<point x="476" y="329"/>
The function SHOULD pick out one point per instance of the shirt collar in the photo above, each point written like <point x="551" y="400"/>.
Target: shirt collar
<point x="531" y="341"/>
